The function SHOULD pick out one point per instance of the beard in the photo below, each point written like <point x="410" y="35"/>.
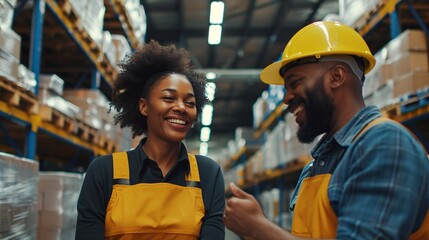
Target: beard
<point x="319" y="109"/>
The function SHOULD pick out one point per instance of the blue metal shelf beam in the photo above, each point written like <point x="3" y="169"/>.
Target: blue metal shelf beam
<point x="68" y="141"/>
<point x="418" y="18"/>
<point x="35" y="59"/>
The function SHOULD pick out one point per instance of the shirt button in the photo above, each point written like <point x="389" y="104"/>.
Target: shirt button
<point x="322" y="163"/>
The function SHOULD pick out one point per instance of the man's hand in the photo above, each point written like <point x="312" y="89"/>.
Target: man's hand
<point x="243" y="215"/>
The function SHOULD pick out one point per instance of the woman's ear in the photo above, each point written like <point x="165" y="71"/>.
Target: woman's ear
<point x="143" y="106"/>
<point x="338" y="76"/>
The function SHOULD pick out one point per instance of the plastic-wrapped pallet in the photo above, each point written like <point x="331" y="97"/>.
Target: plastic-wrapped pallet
<point x="352" y="12"/>
<point x="52" y="82"/>
<point x="18" y="197"/>
<point x="108" y="47"/>
<point x="6" y="12"/>
<point x="137" y="17"/>
<point x="8" y="67"/>
<point x="79" y="6"/>
<point x="26" y="78"/>
<point x="93" y="20"/>
<point x="92" y="102"/>
<point x="122" y="47"/>
<point x="58" y="195"/>
<point x="10" y="43"/>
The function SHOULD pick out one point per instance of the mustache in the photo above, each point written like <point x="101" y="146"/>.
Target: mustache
<point x="292" y="105"/>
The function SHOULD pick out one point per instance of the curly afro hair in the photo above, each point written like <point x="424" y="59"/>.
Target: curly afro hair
<point x="138" y="74"/>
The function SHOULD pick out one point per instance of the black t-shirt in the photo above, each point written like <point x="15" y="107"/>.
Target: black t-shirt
<point x="98" y="183"/>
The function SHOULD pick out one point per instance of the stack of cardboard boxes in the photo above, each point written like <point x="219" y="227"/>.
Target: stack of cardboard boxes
<point x="58" y="195"/>
<point x="401" y="69"/>
<point x="10" y="50"/>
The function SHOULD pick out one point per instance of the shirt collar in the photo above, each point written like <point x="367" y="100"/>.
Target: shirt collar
<point x="344" y="137"/>
<point x="183" y="155"/>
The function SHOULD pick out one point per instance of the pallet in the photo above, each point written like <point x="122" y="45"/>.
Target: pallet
<point x="86" y="132"/>
<point x="74" y="18"/>
<point x="391" y="111"/>
<point x="65" y="12"/>
<point x="14" y="95"/>
<point x="415" y="101"/>
<point x="70" y="12"/>
<point x="105" y="143"/>
<point x="58" y="119"/>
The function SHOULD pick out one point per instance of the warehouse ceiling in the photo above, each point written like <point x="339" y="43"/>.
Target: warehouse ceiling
<point x="253" y="36"/>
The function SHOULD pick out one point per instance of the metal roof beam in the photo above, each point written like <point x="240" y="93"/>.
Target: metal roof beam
<point x="272" y="37"/>
<point x="244" y="36"/>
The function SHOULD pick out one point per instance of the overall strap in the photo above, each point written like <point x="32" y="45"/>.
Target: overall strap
<point x="385" y="119"/>
<point x="373" y="123"/>
<point x="364" y="129"/>
<point x="193" y="177"/>
<point x="121" y="172"/>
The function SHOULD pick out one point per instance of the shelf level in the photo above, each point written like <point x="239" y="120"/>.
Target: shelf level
<point x="66" y="15"/>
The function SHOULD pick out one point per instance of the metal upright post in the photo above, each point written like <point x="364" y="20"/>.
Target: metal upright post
<point x="419" y="20"/>
<point x="35" y="58"/>
<point x="395" y="25"/>
<point x="36" y="39"/>
<point x="95" y="78"/>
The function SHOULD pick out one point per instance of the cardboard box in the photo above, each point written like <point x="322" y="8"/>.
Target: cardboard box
<point x="409" y="40"/>
<point x="51" y="82"/>
<point x="418" y="79"/>
<point x="421" y="80"/>
<point x="10" y="43"/>
<point x="51" y="200"/>
<point x="50" y="220"/>
<point x="6" y="13"/>
<point x="403" y="86"/>
<point x="390" y="92"/>
<point x="48" y="234"/>
<point x="123" y="48"/>
<point x="8" y="67"/>
<point x="409" y="62"/>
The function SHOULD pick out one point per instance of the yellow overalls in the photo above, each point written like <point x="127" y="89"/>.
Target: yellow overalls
<point x="313" y="216"/>
<point x="154" y="210"/>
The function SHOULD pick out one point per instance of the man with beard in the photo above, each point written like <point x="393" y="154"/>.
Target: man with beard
<point x="369" y="178"/>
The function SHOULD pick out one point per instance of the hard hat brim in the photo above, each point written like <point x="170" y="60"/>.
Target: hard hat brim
<point x="271" y="74"/>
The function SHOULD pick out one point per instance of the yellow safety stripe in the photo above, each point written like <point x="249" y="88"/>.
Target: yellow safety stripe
<point x="194" y="175"/>
<point x="120" y="166"/>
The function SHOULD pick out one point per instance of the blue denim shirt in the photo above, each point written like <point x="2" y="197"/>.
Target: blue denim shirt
<point x="380" y="186"/>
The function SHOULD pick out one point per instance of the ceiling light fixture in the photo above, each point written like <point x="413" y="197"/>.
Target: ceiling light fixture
<point x="216" y="12"/>
<point x="204" y="147"/>
<point x="207" y="115"/>
<point x="211" y="90"/>
<point x="210" y="75"/>
<point x="205" y="134"/>
<point x="215" y="34"/>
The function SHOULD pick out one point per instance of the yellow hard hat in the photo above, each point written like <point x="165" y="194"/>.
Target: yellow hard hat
<point x="316" y="40"/>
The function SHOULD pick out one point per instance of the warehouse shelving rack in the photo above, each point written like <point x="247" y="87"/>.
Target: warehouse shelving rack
<point x="384" y="14"/>
<point x="27" y="134"/>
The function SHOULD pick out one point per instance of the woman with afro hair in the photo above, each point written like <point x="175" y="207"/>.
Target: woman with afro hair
<point x="157" y="190"/>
